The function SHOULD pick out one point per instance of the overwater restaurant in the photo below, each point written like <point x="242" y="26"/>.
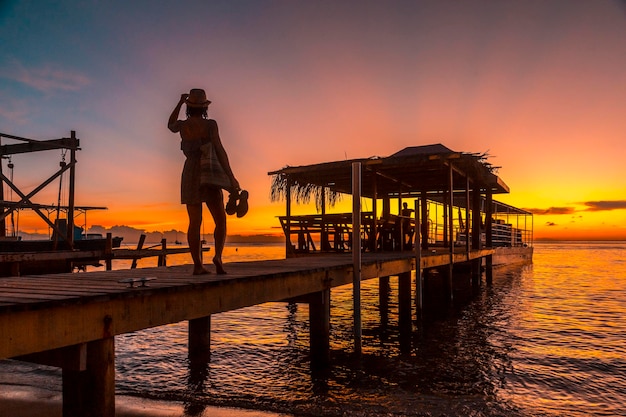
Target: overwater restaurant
<point x="447" y="194"/>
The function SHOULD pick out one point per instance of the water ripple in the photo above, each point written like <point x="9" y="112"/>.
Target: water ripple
<point x="545" y="339"/>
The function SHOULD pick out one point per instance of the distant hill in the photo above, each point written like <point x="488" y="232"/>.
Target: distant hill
<point x="131" y="236"/>
<point x="255" y="239"/>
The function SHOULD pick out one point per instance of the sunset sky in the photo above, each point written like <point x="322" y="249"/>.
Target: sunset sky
<point x="539" y="85"/>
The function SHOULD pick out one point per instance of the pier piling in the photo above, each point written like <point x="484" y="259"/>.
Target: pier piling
<point x="199" y="337"/>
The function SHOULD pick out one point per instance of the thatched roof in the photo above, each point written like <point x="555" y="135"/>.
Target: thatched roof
<point x="410" y="171"/>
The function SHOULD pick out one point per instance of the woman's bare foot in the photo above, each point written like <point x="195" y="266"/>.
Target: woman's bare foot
<point x="200" y="270"/>
<point x="218" y="266"/>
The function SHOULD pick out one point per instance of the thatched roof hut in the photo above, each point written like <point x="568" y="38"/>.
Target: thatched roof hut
<point x="409" y="172"/>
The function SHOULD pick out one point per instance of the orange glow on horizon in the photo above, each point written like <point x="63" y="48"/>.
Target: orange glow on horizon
<point x="539" y="86"/>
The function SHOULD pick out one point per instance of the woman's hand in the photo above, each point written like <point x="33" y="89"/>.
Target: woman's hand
<point x="183" y="97"/>
<point x="235" y="184"/>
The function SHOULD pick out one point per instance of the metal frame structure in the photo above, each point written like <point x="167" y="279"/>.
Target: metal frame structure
<point x="31" y="145"/>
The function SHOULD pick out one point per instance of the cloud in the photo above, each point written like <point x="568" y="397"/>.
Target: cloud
<point x="13" y="111"/>
<point x="605" y="205"/>
<point x="550" y="224"/>
<point x="591" y="206"/>
<point x="552" y="210"/>
<point x="46" y="78"/>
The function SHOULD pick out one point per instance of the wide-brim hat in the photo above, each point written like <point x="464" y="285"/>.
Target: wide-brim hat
<point x="197" y="98"/>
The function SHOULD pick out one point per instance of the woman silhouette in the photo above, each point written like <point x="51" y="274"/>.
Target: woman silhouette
<point x="198" y="131"/>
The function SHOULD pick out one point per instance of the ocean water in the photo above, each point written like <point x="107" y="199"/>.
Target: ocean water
<point x="544" y="339"/>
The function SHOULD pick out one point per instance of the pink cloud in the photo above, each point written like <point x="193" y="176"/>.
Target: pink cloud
<point x="47" y="77"/>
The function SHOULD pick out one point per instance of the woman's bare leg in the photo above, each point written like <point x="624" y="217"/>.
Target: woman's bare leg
<point x="193" y="237"/>
<point x="215" y="204"/>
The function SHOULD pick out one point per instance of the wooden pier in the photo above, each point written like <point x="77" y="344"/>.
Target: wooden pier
<point x="71" y="320"/>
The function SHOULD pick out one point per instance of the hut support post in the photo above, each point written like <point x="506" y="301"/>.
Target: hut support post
<point x="319" y="324"/>
<point x="450" y="216"/>
<point x="288" y="245"/>
<point x="383" y="298"/>
<point x="446" y="202"/>
<point x="324" y="244"/>
<point x="489" y="235"/>
<point x="356" y="253"/>
<point x="91" y="392"/>
<point x="404" y="311"/>
<point x="372" y="242"/>
<point x="467" y="214"/>
<point x="386" y="207"/>
<point x="3" y="224"/>
<point x="476" y="234"/>
<point x="424" y="223"/>
<point x="419" y="287"/>
<point x="401" y="235"/>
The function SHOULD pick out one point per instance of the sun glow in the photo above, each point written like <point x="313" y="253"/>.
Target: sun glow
<point x="541" y="91"/>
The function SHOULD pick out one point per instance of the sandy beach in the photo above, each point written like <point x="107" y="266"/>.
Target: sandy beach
<point x="27" y="401"/>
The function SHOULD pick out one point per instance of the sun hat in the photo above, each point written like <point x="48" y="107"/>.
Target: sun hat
<point x="197" y="98"/>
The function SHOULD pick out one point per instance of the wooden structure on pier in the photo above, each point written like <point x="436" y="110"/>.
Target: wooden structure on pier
<point x="461" y="184"/>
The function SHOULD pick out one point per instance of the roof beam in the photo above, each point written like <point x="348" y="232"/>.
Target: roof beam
<point x="35" y="146"/>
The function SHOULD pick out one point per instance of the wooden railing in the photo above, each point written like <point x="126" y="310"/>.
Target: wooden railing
<point x="333" y="232"/>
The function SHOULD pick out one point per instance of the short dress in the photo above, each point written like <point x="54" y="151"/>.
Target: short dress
<point x="191" y="191"/>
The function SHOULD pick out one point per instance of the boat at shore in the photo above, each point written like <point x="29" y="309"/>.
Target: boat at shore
<point x="54" y="255"/>
<point x="84" y="243"/>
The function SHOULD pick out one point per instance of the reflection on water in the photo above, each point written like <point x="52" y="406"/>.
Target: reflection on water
<point x="544" y="340"/>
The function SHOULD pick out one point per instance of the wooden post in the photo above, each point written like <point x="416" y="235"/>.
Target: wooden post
<point x="108" y="252"/>
<point x="450" y="216"/>
<point x="424" y="215"/>
<point x="467" y="214"/>
<point x="476" y="219"/>
<point x="383" y="300"/>
<point x="319" y="325"/>
<point x="199" y="337"/>
<point x="446" y="203"/>
<point x="386" y="207"/>
<point x="92" y="392"/>
<point x="374" y="234"/>
<point x="405" y="323"/>
<point x="476" y="233"/>
<point x="489" y="235"/>
<point x="162" y="261"/>
<point x="288" y="246"/>
<point x="356" y="253"/>
<point x="324" y="243"/>
<point x="404" y="297"/>
<point x="419" y="287"/>
<point x="142" y="239"/>
<point x="3" y="224"/>
<point x="401" y="233"/>
<point x="70" y="208"/>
